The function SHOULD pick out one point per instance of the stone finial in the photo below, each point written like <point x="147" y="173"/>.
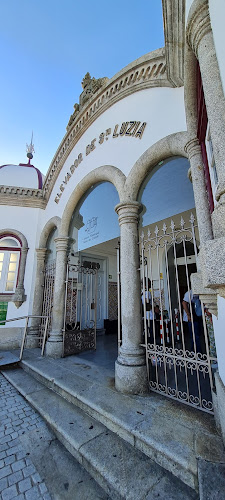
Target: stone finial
<point x="86" y="80"/>
<point x="90" y="87"/>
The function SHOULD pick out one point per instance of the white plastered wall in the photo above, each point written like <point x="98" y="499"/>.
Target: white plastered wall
<point x="161" y="108"/>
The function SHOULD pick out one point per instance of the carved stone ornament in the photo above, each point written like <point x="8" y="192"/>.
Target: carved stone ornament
<point x="19" y="297"/>
<point x="74" y="115"/>
<point x="90" y="87"/>
<point x="86" y="80"/>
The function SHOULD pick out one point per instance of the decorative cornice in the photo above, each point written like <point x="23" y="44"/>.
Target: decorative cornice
<point x="61" y="243"/>
<point x="198" y="24"/>
<point x="174" y="32"/>
<point x="22" y="197"/>
<point x="146" y="72"/>
<point x="128" y="212"/>
<point x="41" y="254"/>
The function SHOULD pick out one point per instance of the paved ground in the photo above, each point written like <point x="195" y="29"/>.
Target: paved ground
<point x="52" y="474"/>
<point x="18" y="476"/>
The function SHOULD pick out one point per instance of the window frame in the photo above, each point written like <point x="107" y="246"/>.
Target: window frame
<point x="7" y="251"/>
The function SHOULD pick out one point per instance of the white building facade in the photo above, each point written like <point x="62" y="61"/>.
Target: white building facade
<point x="142" y="148"/>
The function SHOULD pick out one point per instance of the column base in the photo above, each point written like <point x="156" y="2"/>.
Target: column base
<point x="131" y="379"/>
<point x="54" y="348"/>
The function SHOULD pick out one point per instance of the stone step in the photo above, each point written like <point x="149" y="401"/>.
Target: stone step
<point x="119" y="468"/>
<point x="175" y="436"/>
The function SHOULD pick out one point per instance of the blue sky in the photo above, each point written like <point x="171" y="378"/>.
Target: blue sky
<point x="46" y="47"/>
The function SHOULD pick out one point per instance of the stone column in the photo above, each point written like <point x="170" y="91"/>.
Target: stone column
<point x="19" y="295"/>
<point x="204" y="223"/>
<point x="198" y="180"/>
<point x="200" y="38"/>
<point x="54" y="345"/>
<point x="130" y="368"/>
<point x="38" y="297"/>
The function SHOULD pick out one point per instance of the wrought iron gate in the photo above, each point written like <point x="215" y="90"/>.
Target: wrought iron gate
<point x="80" y="308"/>
<point x="48" y="291"/>
<point x="179" y="355"/>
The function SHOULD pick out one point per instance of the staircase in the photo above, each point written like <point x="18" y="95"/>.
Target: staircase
<point x="135" y="447"/>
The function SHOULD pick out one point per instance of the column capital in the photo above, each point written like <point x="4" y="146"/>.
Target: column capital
<point x="192" y="148"/>
<point x="198" y="24"/>
<point x="61" y="243"/>
<point x="41" y="253"/>
<point x="128" y="211"/>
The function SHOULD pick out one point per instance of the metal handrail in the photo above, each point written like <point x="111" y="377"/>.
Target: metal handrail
<point x="25" y="331"/>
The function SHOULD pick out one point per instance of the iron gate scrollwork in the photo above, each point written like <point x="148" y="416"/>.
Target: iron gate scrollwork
<point x="48" y="291"/>
<point x="80" y="308"/>
<point x="179" y="356"/>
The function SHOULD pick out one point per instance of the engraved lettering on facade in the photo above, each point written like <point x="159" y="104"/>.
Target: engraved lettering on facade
<point x="131" y="129"/>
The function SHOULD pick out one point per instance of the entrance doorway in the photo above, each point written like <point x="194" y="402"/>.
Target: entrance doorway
<point x="80" y="316"/>
<point x="178" y="356"/>
<point x="100" y="264"/>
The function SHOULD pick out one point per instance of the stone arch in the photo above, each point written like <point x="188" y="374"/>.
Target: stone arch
<point x="17" y="234"/>
<point x="100" y="174"/>
<point x="19" y="296"/>
<point x="53" y="223"/>
<point x="172" y="145"/>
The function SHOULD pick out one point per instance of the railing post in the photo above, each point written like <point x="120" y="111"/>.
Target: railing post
<point x="24" y="337"/>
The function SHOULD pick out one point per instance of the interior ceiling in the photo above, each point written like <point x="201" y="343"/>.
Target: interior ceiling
<point x="107" y="247"/>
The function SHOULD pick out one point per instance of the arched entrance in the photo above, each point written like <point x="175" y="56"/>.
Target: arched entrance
<point x="174" y="327"/>
<point x="91" y="281"/>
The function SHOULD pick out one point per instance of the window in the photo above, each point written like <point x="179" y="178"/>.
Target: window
<point x="9" y="264"/>
<point x="211" y="162"/>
